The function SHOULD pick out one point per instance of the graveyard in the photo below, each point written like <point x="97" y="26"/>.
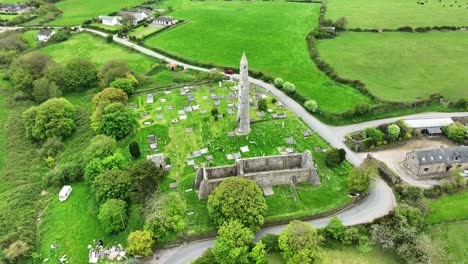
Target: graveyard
<point x="186" y="133"/>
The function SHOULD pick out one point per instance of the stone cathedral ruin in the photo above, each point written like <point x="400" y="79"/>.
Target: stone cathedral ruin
<point x="265" y="171"/>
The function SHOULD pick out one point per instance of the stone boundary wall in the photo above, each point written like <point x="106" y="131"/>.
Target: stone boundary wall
<point x="265" y="171"/>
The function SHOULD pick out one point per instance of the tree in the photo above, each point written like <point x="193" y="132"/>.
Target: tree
<point x="54" y="74"/>
<point x="300" y="243"/>
<point x="165" y="214"/>
<point x="258" y="253"/>
<point x="79" y="74"/>
<point x="374" y="134"/>
<point x="456" y="132"/>
<point x="134" y="149"/>
<point x="359" y="179"/>
<point x="311" y="105"/>
<point x="238" y="199"/>
<point x="393" y="131"/>
<point x="350" y="235"/>
<point x="140" y="243"/>
<point x="334" y="157"/>
<point x="28" y="68"/>
<point x="408" y="214"/>
<point x="100" y="146"/>
<point x="125" y="84"/>
<point x="103" y="99"/>
<point x="145" y="179"/>
<point x="232" y="244"/>
<point x="43" y="90"/>
<point x="279" y="82"/>
<point x="16" y="251"/>
<point x="271" y="243"/>
<point x="112" y="184"/>
<point x="361" y="108"/>
<point x="116" y="121"/>
<point x="98" y="165"/>
<point x="341" y="23"/>
<point x="262" y="105"/>
<point x="112" y="70"/>
<point x="113" y="215"/>
<point x="214" y="111"/>
<point x="334" y="229"/>
<point x="55" y="117"/>
<point x="127" y="20"/>
<point x="289" y="87"/>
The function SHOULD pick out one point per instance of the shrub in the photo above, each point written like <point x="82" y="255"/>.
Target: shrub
<point x="258" y="253"/>
<point x="65" y="172"/>
<point x="334" y="229"/>
<point x="101" y="146"/>
<point x="279" y="82"/>
<point x="359" y="179"/>
<point x="271" y="242"/>
<point x="393" y="131"/>
<point x="145" y="178"/>
<point x="51" y="147"/>
<point x="262" y="105"/>
<point x="289" y="87"/>
<point x="140" y="243"/>
<point x="113" y="215"/>
<point x="134" y="149"/>
<point x="238" y="199"/>
<point x="350" y="235"/>
<point x="456" y="132"/>
<point x="333" y="157"/>
<point x="311" y="105"/>
<point x="125" y="84"/>
<point x="274" y="100"/>
<point x="361" y="108"/>
<point x="16" y="251"/>
<point x="214" y="111"/>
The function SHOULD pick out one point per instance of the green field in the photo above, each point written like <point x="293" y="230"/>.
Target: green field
<point x="271" y="33"/>
<point x="76" y="12"/>
<point x="450" y="207"/>
<point x="402" y="66"/>
<point x="7" y="17"/>
<point x="393" y="14"/>
<point x="453" y="235"/>
<point x="266" y="138"/>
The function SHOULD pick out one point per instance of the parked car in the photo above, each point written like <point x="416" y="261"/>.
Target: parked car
<point x="464" y="173"/>
<point x="229" y="72"/>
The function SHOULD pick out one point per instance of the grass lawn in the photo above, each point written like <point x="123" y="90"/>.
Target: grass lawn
<point x="77" y="11"/>
<point x="266" y="138"/>
<point x="73" y="225"/>
<point x="402" y="66"/>
<point x="393" y="14"/>
<point x="30" y="37"/>
<point x="106" y="27"/>
<point x="7" y="16"/>
<point x="271" y="33"/>
<point x="449" y="207"/>
<point x="453" y="235"/>
<point x="346" y="255"/>
<point x="141" y="31"/>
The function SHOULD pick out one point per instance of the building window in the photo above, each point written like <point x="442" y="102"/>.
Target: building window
<point x="426" y="169"/>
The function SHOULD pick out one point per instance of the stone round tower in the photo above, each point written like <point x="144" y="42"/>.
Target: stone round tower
<point x="243" y="118"/>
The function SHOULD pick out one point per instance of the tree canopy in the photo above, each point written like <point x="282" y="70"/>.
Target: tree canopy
<point x="165" y="214"/>
<point x="113" y="215"/>
<point x="55" y="117"/>
<point x="116" y="121"/>
<point x="112" y="184"/>
<point x="140" y="243"/>
<point x="300" y="243"/>
<point x="232" y="244"/>
<point x="238" y="199"/>
<point x="79" y="74"/>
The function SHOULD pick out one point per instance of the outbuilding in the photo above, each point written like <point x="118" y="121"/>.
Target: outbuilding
<point x="109" y="20"/>
<point x="165" y="20"/>
<point x="65" y="192"/>
<point x="429" y="126"/>
<point x="44" y="35"/>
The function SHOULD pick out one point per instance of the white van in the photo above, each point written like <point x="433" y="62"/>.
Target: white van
<point x="65" y="192"/>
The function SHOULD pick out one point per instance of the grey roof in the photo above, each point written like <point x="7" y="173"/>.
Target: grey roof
<point x="165" y="19"/>
<point x="434" y="130"/>
<point x="443" y="155"/>
<point x="45" y="32"/>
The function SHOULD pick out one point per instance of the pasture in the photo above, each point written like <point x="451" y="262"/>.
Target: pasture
<point x="450" y="207"/>
<point x="382" y="14"/>
<point x="76" y="12"/>
<point x="453" y="235"/>
<point x="271" y="33"/>
<point x="7" y="17"/>
<point x="267" y="138"/>
<point x="402" y="66"/>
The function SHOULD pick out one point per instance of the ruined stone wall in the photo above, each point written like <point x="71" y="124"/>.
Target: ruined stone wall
<point x="265" y="171"/>
<point x="271" y="163"/>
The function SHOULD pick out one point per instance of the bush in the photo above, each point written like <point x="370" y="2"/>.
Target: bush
<point x="279" y="82"/>
<point x="334" y="229"/>
<point x="361" y="108"/>
<point x="334" y="157"/>
<point x="134" y="149"/>
<point x="393" y="131"/>
<point x="101" y="146"/>
<point x="140" y="243"/>
<point x="456" y="132"/>
<point x="145" y="179"/>
<point x="289" y="87"/>
<point x="311" y="105"/>
<point x="65" y="172"/>
<point x="16" y="251"/>
<point x="262" y="105"/>
<point x="113" y="215"/>
<point x="271" y="243"/>
<point x="359" y="178"/>
<point x="125" y="84"/>
<point x="238" y="199"/>
<point x="214" y="111"/>
<point x="51" y="147"/>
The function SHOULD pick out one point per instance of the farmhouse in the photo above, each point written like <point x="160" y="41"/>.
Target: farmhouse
<point x="44" y="35"/>
<point x="436" y="162"/>
<point x="430" y="126"/>
<point x="109" y="20"/>
<point x="165" y="20"/>
<point x="265" y="171"/>
<point x="14" y="8"/>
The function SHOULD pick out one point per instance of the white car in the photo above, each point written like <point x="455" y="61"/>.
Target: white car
<point x="464" y="173"/>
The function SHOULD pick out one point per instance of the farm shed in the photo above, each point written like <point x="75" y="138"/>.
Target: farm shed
<point x="430" y="126"/>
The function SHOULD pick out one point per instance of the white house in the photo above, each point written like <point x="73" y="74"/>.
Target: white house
<point x="165" y="20"/>
<point x="139" y="16"/>
<point x="65" y="192"/>
<point x="44" y="35"/>
<point x="109" y="20"/>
